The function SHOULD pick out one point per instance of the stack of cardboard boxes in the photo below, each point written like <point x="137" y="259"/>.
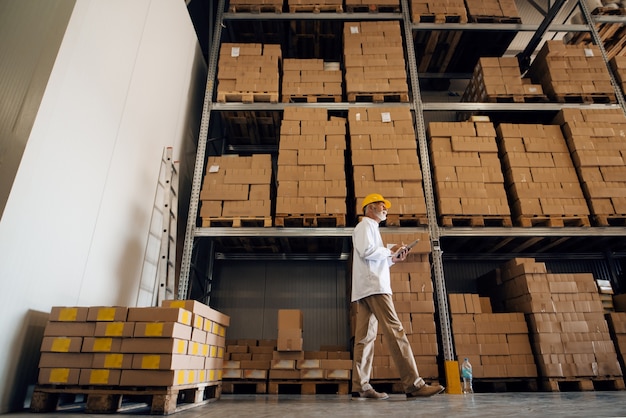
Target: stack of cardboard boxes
<point x="248" y="359"/>
<point x="572" y="70"/>
<point x="569" y="334"/>
<point x="495" y="77"/>
<point x="617" y="325"/>
<point x="413" y="298"/>
<point x="539" y="173"/>
<point x="496" y="344"/>
<point x="467" y="174"/>
<point x="255" y="5"/>
<point x="384" y="159"/>
<point x="494" y="9"/>
<point x="374" y="60"/>
<point x="311" y="79"/>
<point x="236" y="187"/>
<point x="248" y="72"/>
<point x="179" y="343"/>
<point x="618" y="65"/>
<point x="596" y="139"/>
<point x="438" y="9"/>
<point x="311" y="163"/>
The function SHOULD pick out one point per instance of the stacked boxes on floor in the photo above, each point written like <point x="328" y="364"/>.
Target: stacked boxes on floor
<point x="617" y="325"/>
<point x="248" y="72"/>
<point x="179" y="343"/>
<point x="374" y="60"/>
<point x="236" y="187"/>
<point x="311" y="163"/>
<point x="495" y="77"/>
<point x="311" y="79"/>
<point x="539" y="173"/>
<point x="384" y="159"/>
<point x="496" y="344"/>
<point x="467" y="175"/>
<point x="494" y="9"/>
<point x="413" y="298"/>
<point x="597" y="141"/>
<point x="438" y="10"/>
<point x="571" y="70"/>
<point x="248" y="359"/>
<point x="569" y="334"/>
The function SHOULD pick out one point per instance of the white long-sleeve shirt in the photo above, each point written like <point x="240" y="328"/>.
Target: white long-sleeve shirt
<point x="370" y="261"/>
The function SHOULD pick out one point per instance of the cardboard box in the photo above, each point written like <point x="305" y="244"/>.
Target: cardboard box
<point x="62" y="344"/>
<point x="111" y="361"/>
<point x="107" y="313"/>
<point x="58" y="376"/>
<point x="154" y="314"/>
<point x="154" y="345"/>
<point x="68" y="360"/>
<point x="163" y="329"/>
<point x="69" y="329"/>
<point x="69" y="313"/>
<point x="101" y="344"/>
<point x="114" y="329"/>
<point x="157" y="377"/>
<point x="99" y="377"/>
<point x="290" y="319"/>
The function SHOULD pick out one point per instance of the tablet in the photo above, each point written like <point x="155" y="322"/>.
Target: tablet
<point x="406" y="249"/>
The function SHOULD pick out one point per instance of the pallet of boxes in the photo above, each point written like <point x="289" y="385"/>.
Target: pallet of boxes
<point x="617" y="326"/>
<point x="255" y="6"/>
<point x="309" y="372"/>
<point x="171" y="355"/>
<point x="572" y="73"/>
<point x="568" y="331"/>
<point x="311" y="172"/>
<point x="248" y="73"/>
<point x="540" y="177"/>
<point x="374" y="62"/>
<point x="467" y="176"/>
<point x="596" y="140"/>
<point x="499" y="80"/>
<point x="236" y="191"/>
<point x="496" y="344"/>
<point x="384" y="158"/>
<point x="413" y="298"/>
<point x="246" y="365"/>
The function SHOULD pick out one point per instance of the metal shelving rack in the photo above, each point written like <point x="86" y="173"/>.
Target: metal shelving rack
<point x="524" y="239"/>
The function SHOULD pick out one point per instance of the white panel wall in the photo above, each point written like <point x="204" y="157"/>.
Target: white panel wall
<point x="76" y="223"/>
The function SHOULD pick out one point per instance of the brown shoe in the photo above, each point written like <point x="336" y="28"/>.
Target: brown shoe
<point x="425" y="391"/>
<point x="369" y="395"/>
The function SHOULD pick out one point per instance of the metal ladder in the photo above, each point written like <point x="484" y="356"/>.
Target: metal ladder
<point x="158" y="275"/>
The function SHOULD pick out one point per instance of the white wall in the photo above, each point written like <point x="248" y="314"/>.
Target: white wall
<point x="74" y="230"/>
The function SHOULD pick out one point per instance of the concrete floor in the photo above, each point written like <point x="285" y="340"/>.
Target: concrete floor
<point x="483" y="405"/>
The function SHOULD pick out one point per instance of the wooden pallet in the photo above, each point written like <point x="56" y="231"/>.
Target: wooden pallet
<point x="406" y="220"/>
<point x="514" y="98"/>
<point x="160" y="400"/>
<point x="310" y="220"/>
<point x="248" y="386"/>
<point x="315" y="8"/>
<point x="311" y="98"/>
<point x="256" y="8"/>
<point x="476" y="220"/>
<point x="582" y="384"/>
<point x="373" y="8"/>
<point x="247" y="97"/>
<point x="439" y="18"/>
<point x="610" y="220"/>
<point x="600" y="98"/>
<point x="527" y="221"/>
<point x="495" y="385"/>
<point x="238" y="222"/>
<point x="313" y="387"/>
<point x="401" y="97"/>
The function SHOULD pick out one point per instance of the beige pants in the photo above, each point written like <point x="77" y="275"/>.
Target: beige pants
<point x="371" y="311"/>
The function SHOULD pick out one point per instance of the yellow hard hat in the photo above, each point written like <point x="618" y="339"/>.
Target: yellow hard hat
<point x="375" y="197"/>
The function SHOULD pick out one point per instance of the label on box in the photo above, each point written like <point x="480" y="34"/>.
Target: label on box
<point x="234" y="51"/>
